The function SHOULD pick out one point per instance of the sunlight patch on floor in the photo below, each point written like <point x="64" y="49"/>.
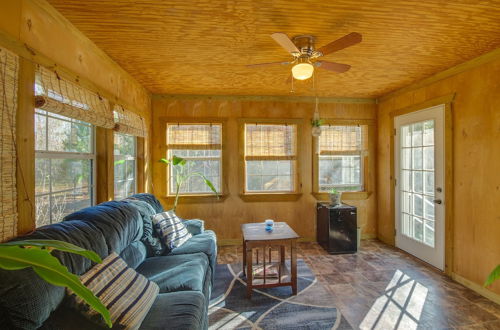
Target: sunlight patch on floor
<point x="399" y="307"/>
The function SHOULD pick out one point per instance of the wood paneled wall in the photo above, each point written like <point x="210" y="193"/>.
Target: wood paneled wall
<point x="41" y="35"/>
<point x="227" y="215"/>
<point x="476" y="166"/>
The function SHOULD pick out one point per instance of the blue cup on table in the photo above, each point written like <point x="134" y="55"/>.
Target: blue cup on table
<point x="269" y="224"/>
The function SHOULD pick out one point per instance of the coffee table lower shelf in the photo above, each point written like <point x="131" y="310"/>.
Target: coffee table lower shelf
<point x="284" y="278"/>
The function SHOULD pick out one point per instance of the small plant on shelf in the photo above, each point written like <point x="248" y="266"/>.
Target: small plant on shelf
<point x="182" y="170"/>
<point x="335" y="196"/>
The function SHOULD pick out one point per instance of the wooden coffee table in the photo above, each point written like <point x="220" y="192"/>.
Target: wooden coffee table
<point x="255" y="236"/>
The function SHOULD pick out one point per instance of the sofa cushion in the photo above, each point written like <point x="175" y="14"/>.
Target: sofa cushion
<point x="126" y="294"/>
<point x="151" y="200"/>
<point x="176" y="272"/>
<point x="134" y="254"/>
<point x="119" y="222"/>
<point x="149" y="237"/>
<point x="195" y="226"/>
<point x="205" y="243"/>
<point x="176" y="310"/>
<point x="171" y="229"/>
<point x="27" y="300"/>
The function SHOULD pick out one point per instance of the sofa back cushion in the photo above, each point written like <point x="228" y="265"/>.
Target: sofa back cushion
<point x="119" y="222"/>
<point x="26" y="300"/>
<point x="151" y="200"/>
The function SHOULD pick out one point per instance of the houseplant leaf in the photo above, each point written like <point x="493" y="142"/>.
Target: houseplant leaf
<point x="178" y="161"/>
<point x="58" y="245"/>
<point x="495" y="275"/>
<point x="164" y="160"/>
<point x="48" y="267"/>
<point x="208" y="183"/>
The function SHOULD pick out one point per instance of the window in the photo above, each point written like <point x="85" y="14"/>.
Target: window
<point x="341" y="158"/>
<point x="270" y="156"/>
<point x="125" y="165"/>
<point x="64" y="166"/>
<point x="201" y="145"/>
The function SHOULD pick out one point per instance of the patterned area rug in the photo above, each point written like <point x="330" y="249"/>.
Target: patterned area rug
<point x="274" y="308"/>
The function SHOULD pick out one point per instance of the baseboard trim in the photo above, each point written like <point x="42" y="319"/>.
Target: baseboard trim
<point x="476" y="287"/>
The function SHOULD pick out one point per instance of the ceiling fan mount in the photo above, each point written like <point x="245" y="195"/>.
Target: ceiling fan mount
<point x="303" y="50"/>
<point x="306" y="45"/>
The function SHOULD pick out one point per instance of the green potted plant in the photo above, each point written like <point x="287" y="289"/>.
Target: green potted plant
<point x="335" y="196"/>
<point x="37" y="255"/>
<point x="182" y="173"/>
<point x="316" y="126"/>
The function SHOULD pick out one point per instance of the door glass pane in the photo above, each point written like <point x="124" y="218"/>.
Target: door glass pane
<point x="428" y="158"/>
<point x="417" y="181"/>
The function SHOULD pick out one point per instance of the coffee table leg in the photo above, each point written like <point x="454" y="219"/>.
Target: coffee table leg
<point x="248" y="252"/>
<point x="244" y="257"/>
<point x="293" y="265"/>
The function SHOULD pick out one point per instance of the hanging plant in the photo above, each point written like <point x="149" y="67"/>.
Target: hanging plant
<point x="317" y="122"/>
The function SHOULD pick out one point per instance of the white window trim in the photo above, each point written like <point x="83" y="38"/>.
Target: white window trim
<point x="126" y="157"/>
<point x="69" y="155"/>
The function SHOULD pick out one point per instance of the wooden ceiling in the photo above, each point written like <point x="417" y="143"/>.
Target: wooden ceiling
<point x="202" y="47"/>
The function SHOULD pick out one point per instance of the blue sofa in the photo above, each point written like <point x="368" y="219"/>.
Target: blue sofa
<point x="185" y="275"/>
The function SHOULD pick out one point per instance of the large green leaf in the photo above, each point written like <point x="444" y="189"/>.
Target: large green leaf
<point x="495" y="275"/>
<point x="49" y="268"/>
<point x="207" y="182"/>
<point x="58" y="245"/>
<point x="178" y="161"/>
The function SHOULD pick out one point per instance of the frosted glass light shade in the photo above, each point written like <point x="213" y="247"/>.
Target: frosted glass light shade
<point x="302" y="71"/>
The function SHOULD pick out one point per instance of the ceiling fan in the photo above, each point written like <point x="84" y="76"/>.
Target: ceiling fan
<point x="305" y="54"/>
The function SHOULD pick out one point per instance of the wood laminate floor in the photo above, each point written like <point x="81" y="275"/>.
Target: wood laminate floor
<point x="381" y="287"/>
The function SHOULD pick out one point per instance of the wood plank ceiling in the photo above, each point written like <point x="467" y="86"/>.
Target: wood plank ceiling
<point x="202" y="47"/>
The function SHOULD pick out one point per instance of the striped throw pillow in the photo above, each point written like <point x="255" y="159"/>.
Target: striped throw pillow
<point x="171" y="229"/>
<point x="126" y="294"/>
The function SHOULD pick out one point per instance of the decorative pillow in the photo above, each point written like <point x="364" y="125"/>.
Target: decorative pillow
<point x="126" y="294"/>
<point x="171" y="229"/>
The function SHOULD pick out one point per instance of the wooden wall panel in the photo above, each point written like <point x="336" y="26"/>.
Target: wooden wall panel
<point x="226" y="216"/>
<point x="476" y="159"/>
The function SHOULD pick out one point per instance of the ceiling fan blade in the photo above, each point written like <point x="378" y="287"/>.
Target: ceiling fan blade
<point x="285" y="42"/>
<point x="332" y="66"/>
<point x="344" y="42"/>
<point x="266" y="64"/>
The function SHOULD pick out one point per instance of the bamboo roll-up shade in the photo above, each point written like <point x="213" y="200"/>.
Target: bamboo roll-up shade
<point x="270" y="142"/>
<point x="342" y="140"/>
<point x="9" y="66"/>
<point x="128" y="122"/>
<point x="194" y="136"/>
<point x="61" y="96"/>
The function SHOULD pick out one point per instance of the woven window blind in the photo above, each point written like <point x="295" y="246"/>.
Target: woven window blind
<point x="270" y="142"/>
<point x="128" y="122"/>
<point x="194" y="136"/>
<point x="61" y="96"/>
<point x="342" y="140"/>
<point x="9" y="66"/>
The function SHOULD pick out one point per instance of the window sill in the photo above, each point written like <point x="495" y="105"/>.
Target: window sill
<point x="346" y="196"/>
<point x="270" y="197"/>
<point x="195" y="199"/>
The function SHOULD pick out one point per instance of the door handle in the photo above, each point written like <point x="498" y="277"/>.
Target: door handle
<point x="438" y="201"/>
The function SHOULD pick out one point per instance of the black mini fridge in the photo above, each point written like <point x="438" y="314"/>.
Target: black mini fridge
<point x="336" y="228"/>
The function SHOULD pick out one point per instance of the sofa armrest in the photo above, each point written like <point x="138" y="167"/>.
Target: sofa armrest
<point x="195" y="226"/>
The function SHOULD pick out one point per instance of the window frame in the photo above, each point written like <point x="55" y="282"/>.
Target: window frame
<point x="126" y="157"/>
<point x="208" y="197"/>
<point x="251" y="196"/>
<point x="366" y="159"/>
<point x="44" y="154"/>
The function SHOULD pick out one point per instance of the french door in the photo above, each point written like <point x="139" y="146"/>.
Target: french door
<point x="419" y="190"/>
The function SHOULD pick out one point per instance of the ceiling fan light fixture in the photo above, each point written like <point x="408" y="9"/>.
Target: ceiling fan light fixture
<point x="302" y="70"/>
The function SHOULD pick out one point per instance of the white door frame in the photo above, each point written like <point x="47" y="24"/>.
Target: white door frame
<point x="433" y="255"/>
